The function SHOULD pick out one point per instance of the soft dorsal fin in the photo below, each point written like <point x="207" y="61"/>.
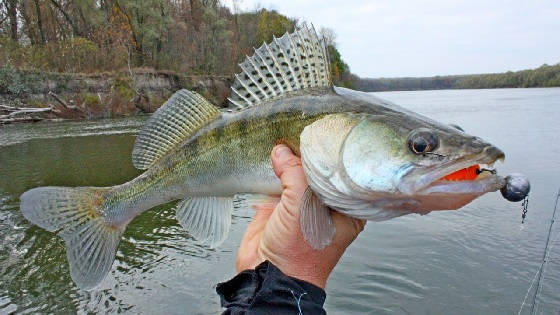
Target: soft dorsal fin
<point x="293" y="62"/>
<point x="180" y="117"/>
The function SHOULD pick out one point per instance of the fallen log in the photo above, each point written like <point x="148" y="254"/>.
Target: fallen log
<point x="11" y="113"/>
<point x="15" y="111"/>
<point x="7" y="108"/>
<point x="20" y="119"/>
<point x="51" y="93"/>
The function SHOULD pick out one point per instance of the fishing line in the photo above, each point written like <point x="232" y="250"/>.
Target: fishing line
<point x="537" y="272"/>
<point x="529" y="290"/>
<point x="544" y="262"/>
<point x="546" y="253"/>
<point x="539" y="285"/>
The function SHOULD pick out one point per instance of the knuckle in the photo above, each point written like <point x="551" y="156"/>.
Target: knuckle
<point x="292" y="196"/>
<point x="292" y="161"/>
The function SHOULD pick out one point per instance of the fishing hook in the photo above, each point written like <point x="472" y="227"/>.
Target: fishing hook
<point x="480" y="170"/>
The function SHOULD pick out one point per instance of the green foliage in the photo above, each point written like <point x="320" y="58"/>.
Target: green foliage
<point x="189" y="36"/>
<point x="340" y="71"/>
<point x="11" y="50"/>
<point x="37" y="102"/>
<point x="72" y="55"/>
<point x="544" y="76"/>
<point x="15" y="83"/>
<point x="89" y="99"/>
<point x="193" y="37"/>
<point x="121" y="86"/>
<point x="271" y="23"/>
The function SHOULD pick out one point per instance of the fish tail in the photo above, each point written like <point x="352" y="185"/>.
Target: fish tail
<point x="91" y="241"/>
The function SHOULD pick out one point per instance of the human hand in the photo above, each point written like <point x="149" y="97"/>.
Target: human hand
<point x="274" y="233"/>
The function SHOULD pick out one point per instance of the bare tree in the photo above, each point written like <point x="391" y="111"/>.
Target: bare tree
<point x="11" y="7"/>
<point x="328" y="35"/>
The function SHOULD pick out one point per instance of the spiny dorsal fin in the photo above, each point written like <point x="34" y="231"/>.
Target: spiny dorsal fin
<point x="180" y="117"/>
<point x="293" y="62"/>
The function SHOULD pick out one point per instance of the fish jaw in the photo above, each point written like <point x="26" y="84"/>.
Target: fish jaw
<point x="434" y="191"/>
<point x="478" y="186"/>
<point x="451" y="195"/>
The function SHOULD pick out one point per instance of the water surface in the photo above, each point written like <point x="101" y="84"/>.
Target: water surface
<point x="479" y="260"/>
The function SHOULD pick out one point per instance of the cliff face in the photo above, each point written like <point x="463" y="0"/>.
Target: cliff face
<point x="89" y="96"/>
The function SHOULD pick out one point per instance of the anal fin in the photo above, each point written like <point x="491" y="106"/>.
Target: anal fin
<point x="207" y="219"/>
<point x="315" y="221"/>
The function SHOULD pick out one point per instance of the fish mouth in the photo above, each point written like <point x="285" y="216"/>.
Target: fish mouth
<point x="473" y="175"/>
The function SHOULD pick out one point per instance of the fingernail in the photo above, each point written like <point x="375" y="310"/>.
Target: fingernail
<point x="282" y="150"/>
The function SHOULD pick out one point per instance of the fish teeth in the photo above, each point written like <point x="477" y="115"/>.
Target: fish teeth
<point x="487" y="166"/>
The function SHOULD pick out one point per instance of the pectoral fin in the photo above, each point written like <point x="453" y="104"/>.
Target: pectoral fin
<point x="315" y="221"/>
<point x="207" y="219"/>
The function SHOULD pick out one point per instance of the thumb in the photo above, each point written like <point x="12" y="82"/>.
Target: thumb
<point x="287" y="166"/>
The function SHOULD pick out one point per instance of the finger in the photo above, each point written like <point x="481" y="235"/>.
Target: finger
<point x="257" y="224"/>
<point x="287" y="166"/>
<point x="347" y="229"/>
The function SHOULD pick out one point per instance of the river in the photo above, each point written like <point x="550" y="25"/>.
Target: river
<point x="479" y="260"/>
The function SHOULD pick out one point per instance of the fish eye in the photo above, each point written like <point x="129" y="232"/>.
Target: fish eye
<point x="422" y="140"/>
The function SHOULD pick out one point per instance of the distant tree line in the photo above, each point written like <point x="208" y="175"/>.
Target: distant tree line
<point x="544" y="76"/>
<point x="188" y="36"/>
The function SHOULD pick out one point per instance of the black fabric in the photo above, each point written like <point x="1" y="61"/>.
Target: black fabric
<point x="267" y="290"/>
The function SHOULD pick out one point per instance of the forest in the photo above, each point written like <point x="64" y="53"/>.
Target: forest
<point x="186" y="36"/>
<point x="543" y="76"/>
<point x="83" y="59"/>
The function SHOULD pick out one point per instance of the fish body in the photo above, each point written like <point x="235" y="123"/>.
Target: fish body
<point x="363" y="156"/>
<point x="235" y="148"/>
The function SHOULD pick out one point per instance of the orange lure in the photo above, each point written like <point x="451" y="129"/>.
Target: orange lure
<point x="469" y="173"/>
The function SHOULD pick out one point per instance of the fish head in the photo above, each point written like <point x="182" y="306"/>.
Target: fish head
<point x="396" y="160"/>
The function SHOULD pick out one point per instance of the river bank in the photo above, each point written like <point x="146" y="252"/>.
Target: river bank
<point x="31" y="95"/>
<point x="27" y="95"/>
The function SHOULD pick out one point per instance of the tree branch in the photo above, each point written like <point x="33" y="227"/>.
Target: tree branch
<point x="67" y="18"/>
<point x="18" y="111"/>
<point x="51" y="93"/>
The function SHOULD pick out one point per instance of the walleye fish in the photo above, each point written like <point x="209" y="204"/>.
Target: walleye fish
<point x="364" y="157"/>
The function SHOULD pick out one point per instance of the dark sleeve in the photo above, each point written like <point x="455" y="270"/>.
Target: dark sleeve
<point x="266" y="290"/>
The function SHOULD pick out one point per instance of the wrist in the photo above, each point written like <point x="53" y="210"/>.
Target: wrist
<point x="317" y="281"/>
<point x="306" y="266"/>
<point x="303" y="270"/>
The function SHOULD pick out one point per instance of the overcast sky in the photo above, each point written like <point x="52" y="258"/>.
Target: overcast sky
<point x="395" y="38"/>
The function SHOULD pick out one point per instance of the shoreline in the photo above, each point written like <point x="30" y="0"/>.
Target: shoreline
<point x="54" y="97"/>
<point x="37" y="96"/>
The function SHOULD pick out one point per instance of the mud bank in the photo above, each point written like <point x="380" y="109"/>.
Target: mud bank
<point x="103" y="95"/>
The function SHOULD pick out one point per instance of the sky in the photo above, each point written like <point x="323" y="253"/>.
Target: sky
<point x="408" y="38"/>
